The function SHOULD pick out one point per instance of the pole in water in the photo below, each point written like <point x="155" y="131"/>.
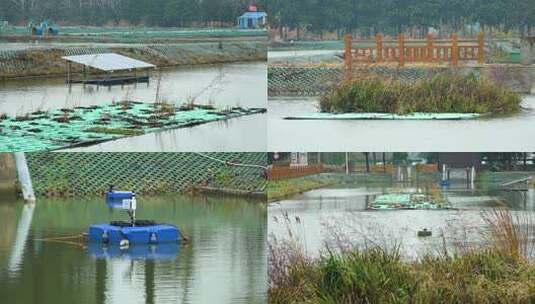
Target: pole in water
<point x="468" y="178"/>
<point x="472" y="177"/>
<point x="23" y="174"/>
<point x="347" y="163"/>
<point x="132" y="211"/>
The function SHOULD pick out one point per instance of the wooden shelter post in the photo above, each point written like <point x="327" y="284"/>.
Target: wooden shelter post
<point x="481" y="48"/>
<point x="429" y="48"/>
<point x="401" y="49"/>
<point x="454" y="50"/>
<point x="379" y="47"/>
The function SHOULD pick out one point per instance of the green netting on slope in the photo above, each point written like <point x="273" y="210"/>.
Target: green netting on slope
<point x="78" y="174"/>
<point x="289" y="81"/>
<point x="311" y="81"/>
<point x="385" y="116"/>
<point x="394" y="201"/>
<point x="65" y="128"/>
<point x="15" y="62"/>
<point x="12" y="61"/>
<point x="208" y="52"/>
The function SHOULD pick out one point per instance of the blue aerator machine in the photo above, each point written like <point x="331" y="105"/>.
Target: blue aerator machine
<point x="135" y="231"/>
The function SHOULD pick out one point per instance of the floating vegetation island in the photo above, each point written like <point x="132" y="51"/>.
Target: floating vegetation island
<point x="80" y="126"/>
<point x="443" y="93"/>
<point x="394" y="201"/>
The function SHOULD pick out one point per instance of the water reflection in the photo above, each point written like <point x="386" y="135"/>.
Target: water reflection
<point x="243" y="84"/>
<point x="304" y="56"/>
<point x="23" y="228"/>
<point x="244" y="134"/>
<point x="374" y="135"/>
<point x="338" y="217"/>
<point x="159" y="252"/>
<point x="224" y="263"/>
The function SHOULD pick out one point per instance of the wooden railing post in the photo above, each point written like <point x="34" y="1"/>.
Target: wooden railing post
<point x="481" y="48"/>
<point x="454" y="50"/>
<point x="401" y="48"/>
<point x="348" y="57"/>
<point x="429" y="47"/>
<point x="379" y="47"/>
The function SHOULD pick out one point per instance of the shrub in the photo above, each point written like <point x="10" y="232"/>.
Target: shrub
<point x="443" y="93"/>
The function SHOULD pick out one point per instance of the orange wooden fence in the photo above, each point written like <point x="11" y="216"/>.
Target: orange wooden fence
<point x="388" y="168"/>
<point x="402" y="51"/>
<point x="427" y="168"/>
<point x="284" y="172"/>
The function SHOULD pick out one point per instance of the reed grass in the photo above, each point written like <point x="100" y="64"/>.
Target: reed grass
<point x="442" y="93"/>
<point x="499" y="271"/>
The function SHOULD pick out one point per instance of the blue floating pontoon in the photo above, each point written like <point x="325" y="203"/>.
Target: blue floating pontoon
<point x="135" y="232"/>
<point x="151" y="234"/>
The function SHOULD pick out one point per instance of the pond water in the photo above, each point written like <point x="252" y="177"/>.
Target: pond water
<point x="225" y="262"/>
<point x="304" y="56"/>
<point x="507" y="134"/>
<point x="338" y="217"/>
<point x="299" y="53"/>
<point x="239" y="84"/>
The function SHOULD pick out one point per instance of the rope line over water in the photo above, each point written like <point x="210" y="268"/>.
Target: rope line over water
<point x="228" y="163"/>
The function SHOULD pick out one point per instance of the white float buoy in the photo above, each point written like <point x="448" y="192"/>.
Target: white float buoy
<point x="124" y="244"/>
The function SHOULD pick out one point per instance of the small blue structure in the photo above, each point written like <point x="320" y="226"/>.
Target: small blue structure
<point x="43" y="29"/>
<point x="445" y="183"/>
<point x="135" y="232"/>
<point x="253" y="19"/>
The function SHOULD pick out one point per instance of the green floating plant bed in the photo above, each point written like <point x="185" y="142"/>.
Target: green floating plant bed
<point x="64" y="128"/>
<point x="386" y="116"/>
<point x="412" y="201"/>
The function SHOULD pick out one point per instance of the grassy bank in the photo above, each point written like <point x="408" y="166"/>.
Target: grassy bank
<point x="280" y="189"/>
<point x="443" y="93"/>
<point x="377" y="276"/>
<point x="498" y="271"/>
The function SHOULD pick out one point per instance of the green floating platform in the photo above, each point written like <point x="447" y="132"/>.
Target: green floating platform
<point x="414" y="201"/>
<point x="65" y="128"/>
<point x="385" y="116"/>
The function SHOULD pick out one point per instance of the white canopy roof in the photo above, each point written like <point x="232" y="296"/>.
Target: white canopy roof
<point x="109" y="62"/>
